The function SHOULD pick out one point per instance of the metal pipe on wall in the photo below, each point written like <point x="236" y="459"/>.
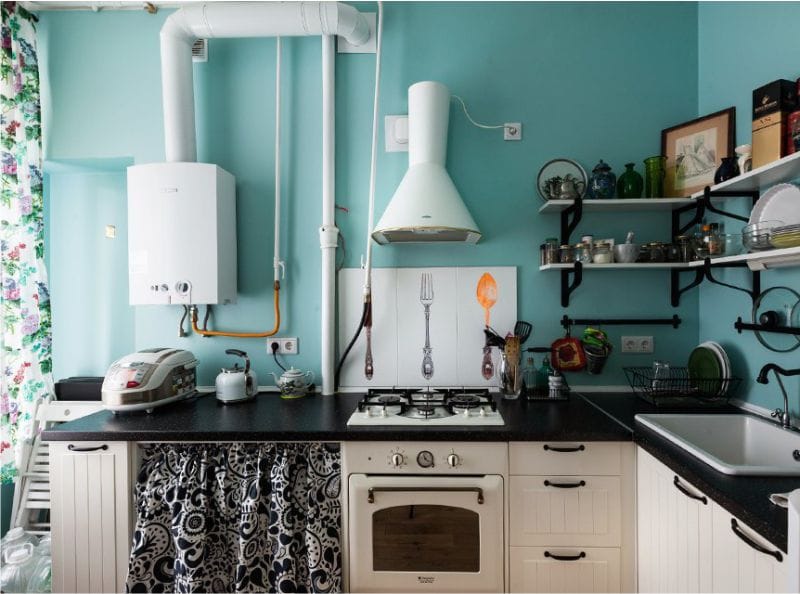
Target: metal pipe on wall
<point x="328" y="232"/>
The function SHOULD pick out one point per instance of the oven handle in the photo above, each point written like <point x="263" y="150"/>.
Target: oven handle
<point x="565" y="485"/>
<point x="372" y="490"/>
<point x="580" y="555"/>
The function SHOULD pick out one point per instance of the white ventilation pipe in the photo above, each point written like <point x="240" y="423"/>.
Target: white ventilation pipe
<point x="235" y="19"/>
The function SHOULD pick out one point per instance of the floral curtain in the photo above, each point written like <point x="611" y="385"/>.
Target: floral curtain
<point x="25" y="301"/>
<point x="237" y="518"/>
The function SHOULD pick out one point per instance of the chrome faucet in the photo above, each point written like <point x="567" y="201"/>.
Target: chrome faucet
<point x="782" y="415"/>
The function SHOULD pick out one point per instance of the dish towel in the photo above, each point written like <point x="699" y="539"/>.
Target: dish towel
<point x="237" y="517"/>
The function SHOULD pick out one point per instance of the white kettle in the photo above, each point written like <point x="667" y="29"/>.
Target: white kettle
<point x="235" y="384"/>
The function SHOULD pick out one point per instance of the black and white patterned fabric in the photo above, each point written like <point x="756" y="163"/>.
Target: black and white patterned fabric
<point x="237" y="518"/>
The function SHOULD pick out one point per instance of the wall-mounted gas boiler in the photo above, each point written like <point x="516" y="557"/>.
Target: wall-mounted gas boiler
<point x="181" y="234"/>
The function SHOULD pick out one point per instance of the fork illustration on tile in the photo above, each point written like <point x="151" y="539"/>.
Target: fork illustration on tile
<point x="426" y="299"/>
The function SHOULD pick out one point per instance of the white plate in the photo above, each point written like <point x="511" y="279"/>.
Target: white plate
<point x="780" y="203"/>
<point x="724" y="362"/>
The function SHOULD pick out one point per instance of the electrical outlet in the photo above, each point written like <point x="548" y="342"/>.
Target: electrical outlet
<point x="286" y="346"/>
<point x="637" y="344"/>
<point x="512" y="131"/>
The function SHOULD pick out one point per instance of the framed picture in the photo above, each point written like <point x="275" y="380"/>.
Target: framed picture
<point x="694" y="150"/>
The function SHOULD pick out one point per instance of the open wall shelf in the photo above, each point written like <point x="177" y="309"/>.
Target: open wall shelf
<point x="617" y="205"/>
<point x="779" y="171"/>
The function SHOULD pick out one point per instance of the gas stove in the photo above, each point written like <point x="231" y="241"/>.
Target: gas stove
<point x="443" y="406"/>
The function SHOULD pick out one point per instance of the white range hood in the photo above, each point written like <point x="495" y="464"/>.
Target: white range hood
<point x="427" y="207"/>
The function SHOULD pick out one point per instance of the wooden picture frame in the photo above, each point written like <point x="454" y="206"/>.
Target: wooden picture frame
<point x="694" y="151"/>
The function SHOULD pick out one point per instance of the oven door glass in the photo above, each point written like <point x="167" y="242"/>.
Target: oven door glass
<point x="425" y="534"/>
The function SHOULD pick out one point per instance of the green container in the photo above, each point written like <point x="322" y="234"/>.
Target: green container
<point x="654" y="170"/>
<point x="630" y="183"/>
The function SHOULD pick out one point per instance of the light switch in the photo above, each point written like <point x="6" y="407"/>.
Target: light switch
<point x="396" y="133"/>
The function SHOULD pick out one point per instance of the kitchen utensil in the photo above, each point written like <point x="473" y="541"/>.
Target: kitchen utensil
<point x="293" y="383"/>
<point x="567" y="354"/>
<point x="426" y="299"/>
<point x="523" y="330"/>
<point x="627" y="252"/>
<point x="780" y="203"/>
<point x="236" y="384"/>
<point x="487" y="294"/>
<point x="493" y="339"/>
<point x="554" y="173"/>
<point x="149" y="378"/>
<point x="782" y="304"/>
<point x="756" y="236"/>
<point x="369" y="368"/>
<point x="510" y="373"/>
<point x="487" y="365"/>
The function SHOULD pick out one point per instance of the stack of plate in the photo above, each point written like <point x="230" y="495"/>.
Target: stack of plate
<point x="780" y="203"/>
<point x="786" y="236"/>
<point x="710" y="369"/>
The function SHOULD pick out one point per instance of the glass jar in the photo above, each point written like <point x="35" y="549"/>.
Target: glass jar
<point x="656" y="251"/>
<point x="551" y="250"/>
<point x="684" y="246"/>
<point x="654" y="170"/>
<point x="566" y="254"/>
<point x="583" y="253"/>
<point x="716" y="243"/>
<point x="602" y="253"/>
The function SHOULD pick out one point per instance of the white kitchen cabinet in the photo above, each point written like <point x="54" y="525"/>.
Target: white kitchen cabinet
<point x="674" y="529"/>
<point x="686" y="542"/>
<point x="737" y="565"/>
<point x="91" y="514"/>
<point x="559" y="569"/>
<point x="567" y="530"/>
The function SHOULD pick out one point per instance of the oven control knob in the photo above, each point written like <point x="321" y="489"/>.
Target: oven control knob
<point x="453" y="460"/>
<point x="397" y="460"/>
<point x="425" y="459"/>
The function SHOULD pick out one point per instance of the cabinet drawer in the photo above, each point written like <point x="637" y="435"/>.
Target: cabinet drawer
<point x="563" y="458"/>
<point x="535" y="569"/>
<point x="549" y="510"/>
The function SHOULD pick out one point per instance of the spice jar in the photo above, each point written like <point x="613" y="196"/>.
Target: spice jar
<point x="656" y="251"/>
<point x="602" y="253"/>
<point x="551" y="250"/>
<point x="684" y="245"/>
<point x="583" y="253"/>
<point x="566" y="254"/>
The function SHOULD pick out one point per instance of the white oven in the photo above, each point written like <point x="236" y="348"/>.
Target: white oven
<point x="425" y="517"/>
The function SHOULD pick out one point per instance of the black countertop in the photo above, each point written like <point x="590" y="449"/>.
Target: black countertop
<point x="324" y="418"/>
<point x="591" y="417"/>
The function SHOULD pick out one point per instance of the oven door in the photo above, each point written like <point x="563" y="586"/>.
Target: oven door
<point x="426" y="534"/>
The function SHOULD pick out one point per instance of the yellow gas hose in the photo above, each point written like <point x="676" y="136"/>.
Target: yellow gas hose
<point x="273" y="332"/>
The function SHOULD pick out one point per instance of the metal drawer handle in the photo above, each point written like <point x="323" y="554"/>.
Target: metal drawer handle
<point x="372" y="490"/>
<point x="740" y="533"/>
<point x="548" y="448"/>
<point x="688" y="493"/>
<point x="580" y="555"/>
<point x="565" y="485"/>
<point x="73" y="448"/>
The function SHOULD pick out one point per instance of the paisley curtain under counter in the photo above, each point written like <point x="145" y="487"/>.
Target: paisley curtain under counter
<point x="237" y="517"/>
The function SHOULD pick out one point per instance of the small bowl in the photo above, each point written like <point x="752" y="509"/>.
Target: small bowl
<point x="626" y="253"/>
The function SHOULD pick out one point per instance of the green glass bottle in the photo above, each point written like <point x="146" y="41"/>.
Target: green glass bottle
<point x="630" y="184"/>
<point x="654" y="169"/>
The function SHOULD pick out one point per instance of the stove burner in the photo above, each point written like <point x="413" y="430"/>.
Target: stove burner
<point x="425" y="410"/>
<point x="388" y="399"/>
<point x="465" y="401"/>
<point x="425" y="396"/>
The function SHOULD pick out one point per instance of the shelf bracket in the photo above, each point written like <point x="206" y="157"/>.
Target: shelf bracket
<point x="739" y="325"/>
<point x="566" y="287"/>
<point x="704" y="273"/>
<point x="575" y="210"/>
<point x="704" y="204"/>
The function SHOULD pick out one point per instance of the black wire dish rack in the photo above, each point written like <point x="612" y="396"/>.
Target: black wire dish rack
<point x="679" y="389"/>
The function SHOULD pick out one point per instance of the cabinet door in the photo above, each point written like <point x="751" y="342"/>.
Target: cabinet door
<point x="737" y="564"/>
<point x="90" y="515"/>
<point x="674" y="528"/>
<point x="555" y="569"/>
<point x="565" y="511"/>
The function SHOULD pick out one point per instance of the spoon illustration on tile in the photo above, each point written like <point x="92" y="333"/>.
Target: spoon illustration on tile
<point x="487" y="296"/>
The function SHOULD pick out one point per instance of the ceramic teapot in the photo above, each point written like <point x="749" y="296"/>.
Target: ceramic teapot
<point x="235" y="384"/>
<point x="293" y="383"/>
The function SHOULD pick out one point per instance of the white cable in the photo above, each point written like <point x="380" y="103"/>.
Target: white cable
<point x="473" y="122"/>
<point x="276" y="260"/>
<point x="374" y="159"/>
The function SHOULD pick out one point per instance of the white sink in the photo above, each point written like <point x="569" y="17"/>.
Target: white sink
<point x="733" y="444"/>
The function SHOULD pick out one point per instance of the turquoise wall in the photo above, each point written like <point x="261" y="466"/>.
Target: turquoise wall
<point x="587" y="80"/>
<point x="741" y="47"/>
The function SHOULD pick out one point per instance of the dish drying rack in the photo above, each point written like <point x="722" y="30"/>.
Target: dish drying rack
<point x="679" y="389"/>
